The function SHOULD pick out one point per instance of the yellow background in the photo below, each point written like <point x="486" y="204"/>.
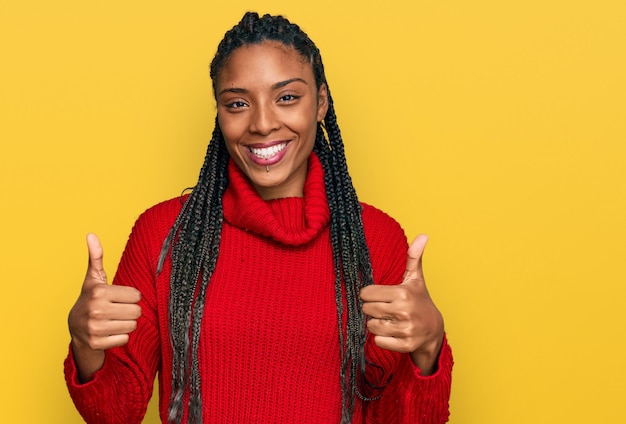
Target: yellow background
<point x="497" y="127"/>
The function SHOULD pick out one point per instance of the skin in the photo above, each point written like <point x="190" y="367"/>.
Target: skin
<point x="266" y="96"/>
<point x="103" y="315"/>
<point x="403" y="317"/>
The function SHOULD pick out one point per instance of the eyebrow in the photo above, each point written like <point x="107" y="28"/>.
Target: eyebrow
<point x="276" y="86"/>
<point x="287" y="82"/>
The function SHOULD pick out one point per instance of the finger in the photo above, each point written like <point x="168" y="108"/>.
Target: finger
<point x="116" y="312"/>
<point x="414" y="258"/>
<point x="116" y="340"/>
<point x="108" y="341"/>
<point x="379" y="293"/>
<point x="123" y="294"/>
<point x="95" y="267"/>
<point x="395" y="312"/>
<point x="394" y="344"/>
<point x="378" y="310"/>
<point x="109" y="328"/>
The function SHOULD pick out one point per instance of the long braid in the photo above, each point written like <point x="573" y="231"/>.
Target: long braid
<point x="194" y="238"/>
<point x="194" y="243"/>
<point x="350" y="256"/>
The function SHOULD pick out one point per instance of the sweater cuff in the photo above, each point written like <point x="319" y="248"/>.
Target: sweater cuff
<point x="427" y="397"/>
<point x="71" y="372"/>
<point x="84" y="395"/>
<point x="444" y="362"/>
<point x="93" y="398"/>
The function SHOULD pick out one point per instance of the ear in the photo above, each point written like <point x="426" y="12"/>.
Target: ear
<point x="322" y="102"/>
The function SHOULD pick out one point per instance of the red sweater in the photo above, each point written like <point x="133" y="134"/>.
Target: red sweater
<point x="269" y="350"/>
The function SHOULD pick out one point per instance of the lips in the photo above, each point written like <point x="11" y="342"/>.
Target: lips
<point x="267" y="155"/>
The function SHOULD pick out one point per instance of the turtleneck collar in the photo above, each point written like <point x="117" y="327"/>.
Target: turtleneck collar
<point x="292" y="220"/>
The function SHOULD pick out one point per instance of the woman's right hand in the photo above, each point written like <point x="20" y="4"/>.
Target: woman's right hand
<point x="102" y="317"/>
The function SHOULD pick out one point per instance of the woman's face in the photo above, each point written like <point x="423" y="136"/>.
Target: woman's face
<point x="268" y="107"/>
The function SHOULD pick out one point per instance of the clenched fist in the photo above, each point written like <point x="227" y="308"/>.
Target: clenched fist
<point x="103" y="315"/>
<point x="403" y="317"/>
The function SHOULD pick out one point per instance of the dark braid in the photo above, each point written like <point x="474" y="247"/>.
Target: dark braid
<point x="194" y="242"/>
<point x="194" y="238"/>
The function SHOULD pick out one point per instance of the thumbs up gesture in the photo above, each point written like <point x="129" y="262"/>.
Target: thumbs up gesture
<point x="103" y="315"/>
<point x="403" y="317"/>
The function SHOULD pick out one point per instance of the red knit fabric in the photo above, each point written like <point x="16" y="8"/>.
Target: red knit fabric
<point x="269" y="350"/>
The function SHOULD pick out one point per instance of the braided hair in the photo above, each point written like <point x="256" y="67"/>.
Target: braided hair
<point x="193" y="240"/>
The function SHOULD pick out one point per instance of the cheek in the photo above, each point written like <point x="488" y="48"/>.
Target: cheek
<point x="304" y="123"/>
<point x="310" y="127"/>
<point x="229" y="128"/>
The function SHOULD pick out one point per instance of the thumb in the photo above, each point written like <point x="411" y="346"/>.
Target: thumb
<point x="95" y="268"/>
<point x="414" y="259"/>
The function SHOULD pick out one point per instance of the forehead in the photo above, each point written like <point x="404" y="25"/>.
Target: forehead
<point x="269" y="61"/>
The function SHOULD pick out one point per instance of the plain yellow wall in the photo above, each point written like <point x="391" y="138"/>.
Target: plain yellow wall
<point x="497" y="127"/>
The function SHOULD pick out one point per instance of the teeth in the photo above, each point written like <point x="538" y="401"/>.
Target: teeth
<point x="268" y="152"/>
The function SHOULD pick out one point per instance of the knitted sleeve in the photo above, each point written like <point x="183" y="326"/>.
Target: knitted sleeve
<point x="121" y="389"/>
<point x="407" y="397"/>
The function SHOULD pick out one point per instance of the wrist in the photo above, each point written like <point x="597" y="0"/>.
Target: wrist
<point x="87" y="361"/>
<point x="427" y="356"/>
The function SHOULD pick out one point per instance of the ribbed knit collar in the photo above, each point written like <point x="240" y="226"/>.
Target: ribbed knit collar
<point x="292" y="220"/>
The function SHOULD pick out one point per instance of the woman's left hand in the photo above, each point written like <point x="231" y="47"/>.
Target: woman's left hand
<point x="403" y="317"/>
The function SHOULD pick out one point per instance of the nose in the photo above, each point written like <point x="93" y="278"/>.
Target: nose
<point x="263" y="120"/>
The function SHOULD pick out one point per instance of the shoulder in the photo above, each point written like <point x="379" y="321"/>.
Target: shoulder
<point x="137" y="266"/>
<point x="154" y="223"/>
<point x="164" y="212"/>
<point x="379" y="224"/>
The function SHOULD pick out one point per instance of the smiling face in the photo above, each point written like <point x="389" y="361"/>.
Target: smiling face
<point x="268" y="107"/>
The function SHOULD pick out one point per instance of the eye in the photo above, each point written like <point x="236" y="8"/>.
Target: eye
<point x="238" y="104"/>
<point x="288" y="98"/>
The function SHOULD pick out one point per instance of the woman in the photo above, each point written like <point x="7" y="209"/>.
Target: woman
<point x="249" y="296"/>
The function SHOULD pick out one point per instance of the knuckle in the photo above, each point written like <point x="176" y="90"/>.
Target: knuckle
<point x="403" y="315"/>
<point x="403" y="294"/>
<point x="390" y="322"/>
<point x="94" y="342"/>
<point x="96" y="314"/>
<point x="99" y="291"/>
<point x="92" y="329"/>
<point x="411" y="328"/>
